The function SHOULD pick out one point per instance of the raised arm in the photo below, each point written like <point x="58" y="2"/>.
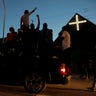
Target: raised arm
<point x="20" y="22"/>
<point x="33" y="10"/>
<point x="38" y="24"/>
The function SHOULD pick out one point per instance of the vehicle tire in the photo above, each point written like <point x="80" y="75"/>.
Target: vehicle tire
<point x="34" y="83"/>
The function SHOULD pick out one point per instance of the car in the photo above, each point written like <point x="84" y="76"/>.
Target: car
<point x="32" y="72"/>
<point x="19" y="66"/>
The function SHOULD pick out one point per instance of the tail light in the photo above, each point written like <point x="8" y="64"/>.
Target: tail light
<point x="62" y="69"/>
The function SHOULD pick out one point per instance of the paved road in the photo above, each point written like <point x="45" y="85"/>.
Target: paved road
<point x="76" y="87"/>
<point x="75" y="84"/>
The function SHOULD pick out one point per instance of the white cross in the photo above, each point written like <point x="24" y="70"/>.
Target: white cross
<point x="77" y="22"/>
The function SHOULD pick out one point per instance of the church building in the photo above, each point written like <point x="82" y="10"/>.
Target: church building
<point x="83" y="39"/>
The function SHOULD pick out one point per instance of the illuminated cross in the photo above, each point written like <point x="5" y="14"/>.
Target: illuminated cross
<point x="77" y="22"/>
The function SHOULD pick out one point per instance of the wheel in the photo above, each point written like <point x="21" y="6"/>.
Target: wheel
<point x="34" y="83"/>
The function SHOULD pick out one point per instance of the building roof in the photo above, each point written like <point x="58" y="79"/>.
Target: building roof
<point x="83" y="32"/>
<point x="77" y="21"/>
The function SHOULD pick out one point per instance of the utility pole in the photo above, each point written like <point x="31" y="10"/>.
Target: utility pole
<point x="2" y="53"/>
<point x="4" y="20"/>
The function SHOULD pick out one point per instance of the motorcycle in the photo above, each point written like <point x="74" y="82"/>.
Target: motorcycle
<point x="65" y="73"/>
<point x="60" y="72"/>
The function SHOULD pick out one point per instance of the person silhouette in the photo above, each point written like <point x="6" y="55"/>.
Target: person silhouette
<point x="11" y="40"/>
<point x="66" y="45"/>
<point x="34" y="36"/>
<point x="24" y="20"/>
<point x="46" y="40"/>
<point x="94" y="70"/>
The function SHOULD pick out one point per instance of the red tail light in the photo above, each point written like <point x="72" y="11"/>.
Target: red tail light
<point x="62" y="69"/>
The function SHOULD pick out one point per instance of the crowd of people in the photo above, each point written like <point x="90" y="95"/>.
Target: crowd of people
<point x="86" y="69"/>
<point x="32" y="40"/>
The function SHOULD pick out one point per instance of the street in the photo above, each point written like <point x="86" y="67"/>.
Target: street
<point x="76" y="87"/>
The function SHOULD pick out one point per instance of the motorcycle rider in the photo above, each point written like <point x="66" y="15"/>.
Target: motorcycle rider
<point x="66" y="45"/>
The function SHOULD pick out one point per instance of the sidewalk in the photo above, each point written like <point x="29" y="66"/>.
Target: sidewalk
<point x="75" y="84"/>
